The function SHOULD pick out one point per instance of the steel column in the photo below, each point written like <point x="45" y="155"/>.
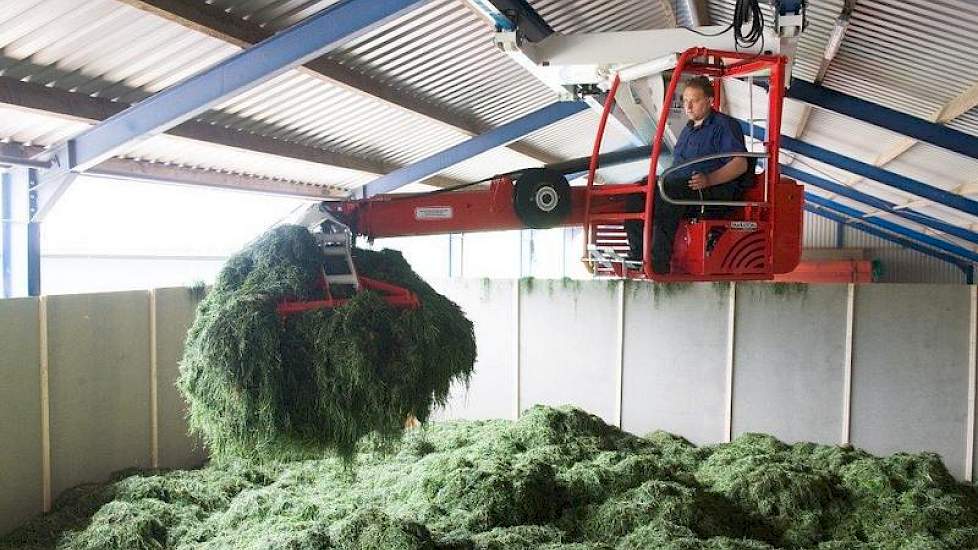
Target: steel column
<point x="869" y="171"/>
<point x="884" y="117"/>
<point x="33" y="238"/>
<point x="469" y="148"/>
<point x="6" y="239"/>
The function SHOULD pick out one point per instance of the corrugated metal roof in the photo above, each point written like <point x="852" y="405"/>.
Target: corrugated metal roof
<point x="913" y="55"/>
<point x="609" y="15"/>
<point x="41" y="43"/>
<point x="275" y="14"/>
<point x="488" y="164"/>
<point x="855" y="139"/>
<point x="76" y="46"/>
<point x="938" y="167"/>
<point x="682" y="10"/>
<point x="569" y="138"/>
<point x="304" y="109"/>
<point x="721" y="12"/>
<point x="573" y="137"/>
<point x="36" y="128"/>
<point x="195" y="154"/>
<point x="811" y="47"/>
<point x="444" y="52"/>
<point x="967" y="122"/>
<point x="820" y="232"/>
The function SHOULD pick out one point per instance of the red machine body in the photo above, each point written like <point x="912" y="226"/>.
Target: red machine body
<point x="752" y="242"/>
<point x="747" y="247"/>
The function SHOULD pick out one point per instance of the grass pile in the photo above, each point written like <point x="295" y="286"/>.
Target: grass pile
<point x="557" y="479"/>
<point x="263" y="387"/>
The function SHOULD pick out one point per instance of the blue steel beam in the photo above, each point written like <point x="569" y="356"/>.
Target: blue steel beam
<point x="906" y="243"/>
<point x="869" y="171"/>
<point x="903" y="231"/>
<point x="507" y="133"/>
<point x="878" y="203"/>
<point x="878" y="115"/>
<point x="294" y="46"/>
<point x="33" y="241"/>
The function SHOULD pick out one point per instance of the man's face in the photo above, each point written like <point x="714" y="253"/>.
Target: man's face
<point x="696" y="104"/>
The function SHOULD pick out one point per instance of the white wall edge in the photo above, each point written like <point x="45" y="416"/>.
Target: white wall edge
<point x="969" y="450"/>
<point x="42" y="317"/>
<point x="847" y="366"/>
<point x="516" y="348"/>
<point x="731" y="337"/>
<point x="154" y="402"/>
<point x="620" y="351"/>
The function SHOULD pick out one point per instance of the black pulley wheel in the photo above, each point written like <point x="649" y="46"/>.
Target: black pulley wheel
<point x="542" y="198"/>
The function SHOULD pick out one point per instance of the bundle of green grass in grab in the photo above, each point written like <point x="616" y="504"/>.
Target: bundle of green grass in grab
<point x="268" y="387"/>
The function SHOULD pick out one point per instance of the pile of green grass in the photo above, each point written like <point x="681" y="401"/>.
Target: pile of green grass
<point x="558" y="479"/>
<point x="264" y="387"/>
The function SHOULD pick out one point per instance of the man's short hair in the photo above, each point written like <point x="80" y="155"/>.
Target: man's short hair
<point x="702" y="83"/>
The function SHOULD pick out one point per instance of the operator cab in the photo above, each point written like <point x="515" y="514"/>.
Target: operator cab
<point x="751" y="238"/>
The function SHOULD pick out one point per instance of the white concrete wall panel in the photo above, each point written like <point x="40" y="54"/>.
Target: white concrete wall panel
<point x="910" y="370"/>
<point x="789" y="361"/>
<point x="99" y="385"/>
<point x="20" y="413"/>
<point x="675" y="359"/>
<point x="175" y="309"/>
<point x="568" y="344"/>
<point x="491" y="392"/>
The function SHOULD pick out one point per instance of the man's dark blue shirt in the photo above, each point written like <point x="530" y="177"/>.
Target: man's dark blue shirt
<point x="719" y="133"/>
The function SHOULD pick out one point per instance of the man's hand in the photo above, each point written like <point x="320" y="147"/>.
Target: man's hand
<point x="699" y="181"/>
